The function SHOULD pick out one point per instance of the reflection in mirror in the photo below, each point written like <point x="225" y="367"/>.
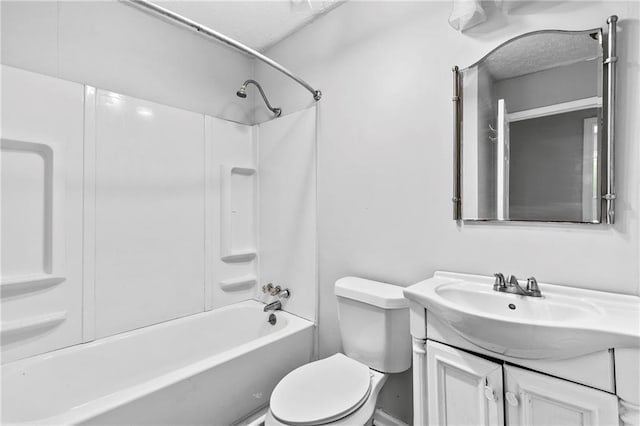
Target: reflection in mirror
<point x="531" y="138"/>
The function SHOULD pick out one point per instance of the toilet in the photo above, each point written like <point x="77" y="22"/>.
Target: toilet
<point x="343" y="388"/>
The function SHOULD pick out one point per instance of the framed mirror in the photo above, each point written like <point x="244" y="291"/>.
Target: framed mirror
<point x="532" y="140"/>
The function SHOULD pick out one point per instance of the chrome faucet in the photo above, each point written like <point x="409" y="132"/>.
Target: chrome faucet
<point x="513" y="286"/>
<point x="499" y="284"/>
<point x="273" y="306"/>
<point x="277" y="291"/>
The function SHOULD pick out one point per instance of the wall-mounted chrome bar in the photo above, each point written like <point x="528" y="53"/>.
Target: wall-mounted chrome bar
<point x="610" y="65"/>
<point x="457" y="149"/>
<point x="179" y="19"/>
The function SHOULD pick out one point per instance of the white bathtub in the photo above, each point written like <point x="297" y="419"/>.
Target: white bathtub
<point x="212" y="368"/>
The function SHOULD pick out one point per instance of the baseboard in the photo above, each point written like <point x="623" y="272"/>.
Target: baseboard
<point x="382" y="418"/>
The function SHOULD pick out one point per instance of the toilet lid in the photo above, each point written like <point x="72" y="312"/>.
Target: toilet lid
<point x="321" y="391"/>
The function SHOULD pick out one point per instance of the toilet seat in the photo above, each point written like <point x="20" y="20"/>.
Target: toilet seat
<point x="321" y="392"/>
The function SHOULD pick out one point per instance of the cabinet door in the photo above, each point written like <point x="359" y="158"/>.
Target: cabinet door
<point x="462" y="389"/>
<point x="534" y="399"/>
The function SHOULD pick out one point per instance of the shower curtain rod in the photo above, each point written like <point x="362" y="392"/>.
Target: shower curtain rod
<point x="174" y="17"/>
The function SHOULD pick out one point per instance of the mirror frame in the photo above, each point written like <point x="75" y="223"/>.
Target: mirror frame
<point x="607" y="190"/>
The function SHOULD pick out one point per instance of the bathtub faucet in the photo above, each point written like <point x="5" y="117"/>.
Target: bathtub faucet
<point x="273" y="306"/>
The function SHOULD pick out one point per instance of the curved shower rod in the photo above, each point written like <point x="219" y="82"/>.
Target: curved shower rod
<point x="174" y="17"/>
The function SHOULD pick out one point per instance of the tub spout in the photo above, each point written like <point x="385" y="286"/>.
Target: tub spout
<point x="273" y="306"/>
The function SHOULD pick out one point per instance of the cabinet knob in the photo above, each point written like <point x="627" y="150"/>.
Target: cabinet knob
<point x="489" y="393"/>
<point x="512" y="399"/>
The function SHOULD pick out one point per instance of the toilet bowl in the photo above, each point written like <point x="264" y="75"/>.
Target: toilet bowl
<point x="336" y="390"/>
<point x="343" y="388"/>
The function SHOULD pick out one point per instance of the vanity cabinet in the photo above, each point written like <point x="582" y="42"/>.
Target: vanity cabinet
<point x="466" y="389"/>
<point x="462" y="389"/>
<point x="484" y="357"/>
<point x="537" y="399"/>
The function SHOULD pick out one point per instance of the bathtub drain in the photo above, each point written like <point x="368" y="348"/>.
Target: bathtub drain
<point x="272" y="319"/>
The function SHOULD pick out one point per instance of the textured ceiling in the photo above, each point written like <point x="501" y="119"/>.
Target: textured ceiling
<point x="540" y="52"/>
<point x="257" y="24"/>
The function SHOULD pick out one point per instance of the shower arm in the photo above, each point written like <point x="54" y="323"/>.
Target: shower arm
<point x="179" y="19"/>
<point x="276" y="111"/>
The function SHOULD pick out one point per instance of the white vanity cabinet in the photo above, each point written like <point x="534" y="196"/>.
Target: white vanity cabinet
<point x="482" y="357"/>
<point x="462" y="389"/>
<point x="466" y="389"/>
<point x="534" y="399"/>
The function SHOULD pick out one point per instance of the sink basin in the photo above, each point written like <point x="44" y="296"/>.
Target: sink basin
<point x="470" y="296"/>
<point x="566" y="322"/>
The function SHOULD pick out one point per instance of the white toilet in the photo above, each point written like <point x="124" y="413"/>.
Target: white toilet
<point x="343" y="389"/>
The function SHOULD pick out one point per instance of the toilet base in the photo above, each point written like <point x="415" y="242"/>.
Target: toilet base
<point x="362" y="416"/>
<point x="351" y="420"/>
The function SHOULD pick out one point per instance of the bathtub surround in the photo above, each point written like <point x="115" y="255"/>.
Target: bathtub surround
<point x="42" y="136"/>
<point x="147" y="233"/>
<point x="385" y="174"/>
<point x="231" y="200"/>
<point x="166" y="203"/>
<point x="162" y="211"/>
<point x="287" y="159"/>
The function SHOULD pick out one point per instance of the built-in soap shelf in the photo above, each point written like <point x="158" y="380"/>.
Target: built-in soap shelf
<point x="229" y="253"/>
<point x="27" y="284"/>
<point x="239" y="257"/>
<point x="15" y="329"/>
<point x="247" y="171"/>
<point x="238" y="284"/>
<point x="559" y="108"/>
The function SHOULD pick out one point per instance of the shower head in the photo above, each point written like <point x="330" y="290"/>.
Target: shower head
<point x="242" y="93"/>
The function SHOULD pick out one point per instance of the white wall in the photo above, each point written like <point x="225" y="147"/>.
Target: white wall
<point x="385" y="172"/>
<point x="113" y="46"/>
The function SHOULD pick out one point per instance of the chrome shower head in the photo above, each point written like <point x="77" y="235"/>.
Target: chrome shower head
<point x="242" y="93"/>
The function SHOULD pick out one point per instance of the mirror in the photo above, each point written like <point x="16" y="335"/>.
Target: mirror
<point x="530" y="130"/>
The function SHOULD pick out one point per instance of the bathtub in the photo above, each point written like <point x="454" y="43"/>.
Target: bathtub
<point x="212" y="368"/>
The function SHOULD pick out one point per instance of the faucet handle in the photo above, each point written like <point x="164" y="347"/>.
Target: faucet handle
<point x="532" y="287"/>
<point x="271" y="289"/>
<point x="499" y="283"/>
<point x="284" y="294"/>
<point x="276" y="290"/>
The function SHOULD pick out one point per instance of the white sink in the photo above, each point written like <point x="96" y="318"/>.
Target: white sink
<point x="564" y="323"/>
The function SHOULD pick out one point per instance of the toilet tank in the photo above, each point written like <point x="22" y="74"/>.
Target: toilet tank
<point x="374" y="323"/>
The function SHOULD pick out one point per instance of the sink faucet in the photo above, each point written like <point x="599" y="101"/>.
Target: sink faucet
<point x="513" y="286"/>
<point x="499" y="284"/>
<point x="273" y="306"/>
